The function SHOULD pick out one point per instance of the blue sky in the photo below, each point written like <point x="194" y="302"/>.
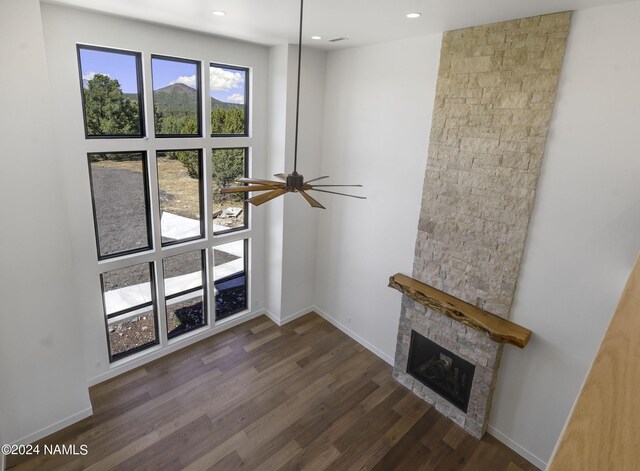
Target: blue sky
<point x="121" y="67"/>
<point x="166" y="72"/>
<point x="227" y="85"/>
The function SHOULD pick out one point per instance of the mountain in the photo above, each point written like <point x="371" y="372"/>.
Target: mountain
<point x="178" y="99"/>
<point x="177" y="88"/>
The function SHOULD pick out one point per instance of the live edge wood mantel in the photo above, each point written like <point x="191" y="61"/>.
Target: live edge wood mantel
<point x="499" y="329"/>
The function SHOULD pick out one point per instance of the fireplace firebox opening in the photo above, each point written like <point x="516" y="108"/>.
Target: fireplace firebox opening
<point x="443" y="372"/>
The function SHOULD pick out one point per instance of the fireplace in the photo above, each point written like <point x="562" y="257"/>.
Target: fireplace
<point x="440" y="370"/>
<point x="494" y="99"/>
<point x="448" y="351"/>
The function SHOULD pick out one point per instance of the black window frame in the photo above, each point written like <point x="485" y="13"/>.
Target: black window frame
<point x="147" y="201"/>
<point x="139" y="82"/>
<point x="198" y="65"/>
<point x="246" y="98"/>
<point x="203" y="284"/>
<point x="153" y="303"/>
<point x="200" y="194"/>
<point x="245" y="207"/>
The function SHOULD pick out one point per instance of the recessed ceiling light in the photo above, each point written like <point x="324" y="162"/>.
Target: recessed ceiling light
<point x="316" y="37"/>
<point x="414" y="15"/>
<point x="219" y="12"/>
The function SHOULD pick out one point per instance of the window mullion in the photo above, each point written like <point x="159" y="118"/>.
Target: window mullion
<point x="157" y="244"/>
<point x="161" y="305"/>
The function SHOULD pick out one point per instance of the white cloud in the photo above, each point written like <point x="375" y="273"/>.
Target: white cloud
<point x="190" y="81"/>
<point x="236" y="98"/>
<point x="222" y="80"/>
<point x="91" y="74"/>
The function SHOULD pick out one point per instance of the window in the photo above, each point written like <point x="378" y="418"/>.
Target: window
<point x="120" y="202"/>
<point x="229" y="100"/>
<point x="180" y="192"/>
<point x="130" y="309"/>
<point x="111" y="84"/>
<point x="176" y="96"/>
<point x="166" y="269"/>
<point x="230" y="278"/>
<point x="184" y="282"/>
<point x="229" y="210"/>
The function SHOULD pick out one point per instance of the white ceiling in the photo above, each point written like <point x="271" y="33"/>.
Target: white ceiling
<point x="273" y="22"/>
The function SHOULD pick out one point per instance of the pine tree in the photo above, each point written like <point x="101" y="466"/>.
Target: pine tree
<point x="107" y="110"/>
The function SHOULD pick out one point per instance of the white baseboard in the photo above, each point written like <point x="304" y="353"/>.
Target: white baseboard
<point x="49" y="429"/>
<point x="353" y="335"/>
<point x="295" y="315"/>
<point x="526" y="454"/>
<point x="272" y="316"/>
<point x="290" y="317"/>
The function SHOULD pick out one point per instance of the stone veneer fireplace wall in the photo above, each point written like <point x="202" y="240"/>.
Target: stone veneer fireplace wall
<point x="494" y="98"/>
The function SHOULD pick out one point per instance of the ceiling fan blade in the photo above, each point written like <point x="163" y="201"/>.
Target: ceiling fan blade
<point x="246" y="189"/>
<point x="264" y="197"/>
<point x="316" y="179"/>
<point x="341" y="194"/>
<point x="314" y="186"/>
<point x="310" y="200"/>
<point x="282" y="176"/>
<point x="259" y="181"/>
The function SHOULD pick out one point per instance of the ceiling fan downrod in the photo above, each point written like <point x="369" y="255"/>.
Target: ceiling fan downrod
<point x="292" y="182"/>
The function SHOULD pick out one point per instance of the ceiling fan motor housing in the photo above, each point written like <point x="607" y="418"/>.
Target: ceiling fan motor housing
<point x="294" y="181"/>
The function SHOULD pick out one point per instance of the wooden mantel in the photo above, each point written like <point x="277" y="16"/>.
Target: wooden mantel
<point x="499" y="329"/>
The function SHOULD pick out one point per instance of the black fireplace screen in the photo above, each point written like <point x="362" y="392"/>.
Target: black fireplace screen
<point x="440" y="370"/>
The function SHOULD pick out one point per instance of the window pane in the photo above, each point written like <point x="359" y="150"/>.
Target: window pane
<point x="111" y="92"/>
<point x="129" y="309"/>
<point x="229" y="210"/>
<point x="120" y="202"/>
<point x="184" y="294"/>
<point x="176" y="96"/>
<point x="180" y="191"/>
<point x="230" y="278"/>
<point x="229" y="98"/>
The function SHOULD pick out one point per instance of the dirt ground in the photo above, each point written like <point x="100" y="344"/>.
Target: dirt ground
<point x="179" y="193"/>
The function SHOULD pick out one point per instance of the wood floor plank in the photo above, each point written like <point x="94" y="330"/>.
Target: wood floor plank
<point x="218" y="453"/>
<point x="324" y="460"/>
<point x="163" y="452"/>
<point x="216" y="355"/>
<point x="459" y="456"/>
<point x="262" y="340"/>
<point x="280" y="457"/>
<point x="262" y="326"/>
<point x="263" y="397"/>
<point x="411" y="412"/>
<point x="407" y="435"/>
<point x="231" y="462"/>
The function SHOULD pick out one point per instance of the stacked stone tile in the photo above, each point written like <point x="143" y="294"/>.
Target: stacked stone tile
<point x="494" y="98"/>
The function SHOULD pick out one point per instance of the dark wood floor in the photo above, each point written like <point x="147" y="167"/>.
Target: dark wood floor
<point x="263" y="397"/>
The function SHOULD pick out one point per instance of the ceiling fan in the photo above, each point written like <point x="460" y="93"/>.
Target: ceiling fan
<point x="292" y="182"/>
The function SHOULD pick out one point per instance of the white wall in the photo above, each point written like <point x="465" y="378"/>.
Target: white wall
<point x="585" y="229"/>
<point x="376" y="132"/>
<point x="584" y="234"/>
<point x="300" y="219"/>
<point x="42" y="380"/>
<point x="291" y="222"/>
<point x="63" y="28"/>
<point x="280" y="125"/>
